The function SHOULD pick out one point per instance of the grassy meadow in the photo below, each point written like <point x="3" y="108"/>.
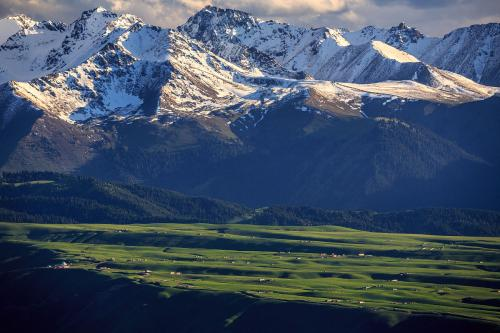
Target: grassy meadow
<point x="381" y="271"/>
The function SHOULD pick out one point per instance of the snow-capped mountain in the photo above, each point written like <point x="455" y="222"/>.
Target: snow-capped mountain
<point x="402" y="37"/>
<point x="473" y="52"/>
<point x="49" y="47"/>
<point x="234" y="35"/>
<point x="319" y="116"/>
<point x="240" y="37"/>
<point x="105" y="64"/>
<point x="221" y="59"/>
<point x="146" y="70"/>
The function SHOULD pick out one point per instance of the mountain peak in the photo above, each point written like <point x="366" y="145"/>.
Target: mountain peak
<point x="12" y="24"/>
<point x="210" y="8"/>
<point x="215" y="14"/>
<point x="402" y="35"/>
<point x="93" y="21"/>
<point x="98" y="11"/>
<point x="23" y="20"/>
<point x="210" y="23"/>
<point x="402" y="26"/>
<point x="216" y="9"/>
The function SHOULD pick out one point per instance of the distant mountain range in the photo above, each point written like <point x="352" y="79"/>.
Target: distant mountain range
<point x="257" y="112"/>
<point x="337" y="54"/>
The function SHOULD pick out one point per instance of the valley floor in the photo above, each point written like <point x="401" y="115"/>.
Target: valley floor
<point x="394" y="275"/>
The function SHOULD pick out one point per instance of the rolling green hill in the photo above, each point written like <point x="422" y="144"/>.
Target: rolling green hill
<point x="244" y="278"/>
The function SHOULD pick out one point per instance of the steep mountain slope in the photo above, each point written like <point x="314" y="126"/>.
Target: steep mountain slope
<point x="373" y="62"/>
<point x="104" y="64"/>
<point x="287" y="156"/>
<point x="470" y="51"/>
<point x="473" y="52"/>
<point x="300" y="158"/>
<point x="145" y="69"/>
<point x="473" y="126"/>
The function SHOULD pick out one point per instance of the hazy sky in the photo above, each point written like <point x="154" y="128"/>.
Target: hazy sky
<point x="431" y="17"/>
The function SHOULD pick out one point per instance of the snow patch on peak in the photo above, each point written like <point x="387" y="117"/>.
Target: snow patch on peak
<point x="13" y="24"/>
<point x="100" y="9"/>
<point x="146" y="43"/>
<point x="393" y="53"/>
<point x="337" y="36"/>
<point x="25" y="22"/>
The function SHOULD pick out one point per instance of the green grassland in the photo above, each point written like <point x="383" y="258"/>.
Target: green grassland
<point x="397" y="272"/>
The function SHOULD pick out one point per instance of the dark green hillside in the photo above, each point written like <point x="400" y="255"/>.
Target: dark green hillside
<point x="43" y="197"/>
<point x="55" y="198"/>
<point x="473" y="126"/>
<point x="298" y="158"/>
<point x="439" y="221"/>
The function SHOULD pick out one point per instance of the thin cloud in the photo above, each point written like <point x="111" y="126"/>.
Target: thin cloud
<point x="286" y="7"/>
<point x="430" y="16"/>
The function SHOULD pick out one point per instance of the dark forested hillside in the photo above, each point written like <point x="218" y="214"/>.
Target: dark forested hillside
<point x="44" y="197"/>
<point x="48" y="197"/>
<point x="440" y="221"/>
